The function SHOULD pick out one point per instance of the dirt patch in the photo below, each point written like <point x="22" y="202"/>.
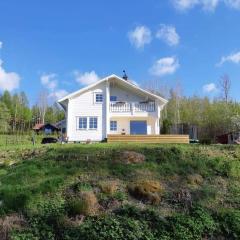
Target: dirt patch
<point x="149" y="190"/>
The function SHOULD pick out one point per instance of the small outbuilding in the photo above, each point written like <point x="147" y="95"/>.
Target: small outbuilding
<point x="47" y="128"/>
<point x="229" y="138"/>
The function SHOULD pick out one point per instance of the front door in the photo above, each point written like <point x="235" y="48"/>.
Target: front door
<point x="138" y="127"/>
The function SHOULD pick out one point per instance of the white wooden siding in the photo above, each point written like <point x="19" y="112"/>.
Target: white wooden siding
<point x="84" y="105"/>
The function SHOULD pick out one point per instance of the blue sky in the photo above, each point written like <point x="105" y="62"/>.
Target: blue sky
<point x="62" y="45"/>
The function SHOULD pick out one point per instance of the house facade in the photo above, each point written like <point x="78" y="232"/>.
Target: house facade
<point x="112" y="105"/>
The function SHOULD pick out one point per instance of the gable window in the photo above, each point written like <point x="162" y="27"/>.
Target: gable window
<point x="93" y="122"/>
<point x="98" y="98"/>
<point x="113" y="98"/>
<point x="113" y="125"/>
<point x="82" y="123"/>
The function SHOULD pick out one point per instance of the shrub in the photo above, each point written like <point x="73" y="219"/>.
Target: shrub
<point x="111" y="228"/>
<point x="86" y="204"/>
<point x="23" y="235"/>
<point x="195" y="179"/>
<point x="206" y="141"/>
<point x="164" y="154"/>
<point x="230" y="223"/>
<point x="14" y="201"/>
<point x="149" y="190"/>
<point x="109" y="187"/>
<point x="196" y="225"/>
<point x="129" y="157"/>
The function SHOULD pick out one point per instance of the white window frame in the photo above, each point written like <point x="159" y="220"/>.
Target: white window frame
<point x="95" y="97"/>
<point x="89" y="118"/>
<point x="78" y="123"/>
<point x="115" y="127"/>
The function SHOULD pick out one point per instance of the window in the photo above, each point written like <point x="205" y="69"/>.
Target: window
<point x="82" y="123"/>
<point x="113" y="98"/>
<point x="93" y="122"/>
<point x="113" y="125"/>
<point x="98" y="98"/>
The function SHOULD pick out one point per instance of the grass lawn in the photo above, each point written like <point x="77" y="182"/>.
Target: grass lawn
<point x="99" y="191"/>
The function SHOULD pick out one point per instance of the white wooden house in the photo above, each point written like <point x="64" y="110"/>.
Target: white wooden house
<point x="112" y="105"/>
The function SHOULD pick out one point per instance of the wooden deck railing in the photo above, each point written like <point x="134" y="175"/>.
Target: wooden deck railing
<point x="148" y="138"/>
<point x="133" y="106"/>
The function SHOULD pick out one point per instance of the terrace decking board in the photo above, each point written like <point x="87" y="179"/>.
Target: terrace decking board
<point x="149" y="138"/>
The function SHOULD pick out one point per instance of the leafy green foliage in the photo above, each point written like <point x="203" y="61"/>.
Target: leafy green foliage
<point x="44" y="186"/>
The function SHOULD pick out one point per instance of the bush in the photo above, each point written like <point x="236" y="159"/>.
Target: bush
<point x="230" y="223"/>
<point x="108" y="187"/>
<point x="14" y="201"/>
<point x="86" y="204"/>
<point x="146" y="190"/>
<point x="195" y="225"/>
<point x="75" y="207"/>
<point x="111" y="228"/>
<point x="168" y="154"/>
<point x="206" y="141"/>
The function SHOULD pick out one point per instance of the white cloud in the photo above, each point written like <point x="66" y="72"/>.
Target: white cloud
<point x="86" y="78"/>
<point x="164" y="66"/>
<point x="209" y="88"/>
<point x="1" y="44"/>
<point x="234" y="58"/>
<point x="49" y="81"/>
<point x="168" y="34"/>
<point x="8" y="80"/>
<point x="210" y="5"/>
<point x="233" y="3"/>
<point x="140" y="36"/>
<point x="58" y="94"/>
<point x="184" y="5"/>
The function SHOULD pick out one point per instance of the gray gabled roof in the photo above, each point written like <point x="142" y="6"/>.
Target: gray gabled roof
<point x="71" y="95"/>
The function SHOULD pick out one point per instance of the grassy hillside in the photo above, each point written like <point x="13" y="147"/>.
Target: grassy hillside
<point x="110" y="191"/>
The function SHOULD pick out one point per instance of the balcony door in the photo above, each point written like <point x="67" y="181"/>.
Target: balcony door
<point x="138" y="127"/>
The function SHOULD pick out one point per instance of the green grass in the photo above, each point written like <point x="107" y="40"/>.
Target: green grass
<point x="41" y="179"/>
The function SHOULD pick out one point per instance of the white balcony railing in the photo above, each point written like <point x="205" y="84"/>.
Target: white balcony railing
<point x="121" y="107"/>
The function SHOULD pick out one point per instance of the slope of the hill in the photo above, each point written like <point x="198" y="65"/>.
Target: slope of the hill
<point x="110" y="191"/>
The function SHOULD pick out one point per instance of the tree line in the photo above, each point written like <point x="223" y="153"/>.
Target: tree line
<point x="212" y="117"/>
<point x="16" y="114"/>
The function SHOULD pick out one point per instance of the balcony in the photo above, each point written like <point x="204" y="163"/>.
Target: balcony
<point x="126" y="107"/>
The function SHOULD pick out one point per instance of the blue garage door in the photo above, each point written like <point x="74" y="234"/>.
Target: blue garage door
<point x="138" y="127"/>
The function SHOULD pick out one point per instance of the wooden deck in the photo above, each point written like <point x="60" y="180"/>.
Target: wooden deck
<point x="149" y="138"/>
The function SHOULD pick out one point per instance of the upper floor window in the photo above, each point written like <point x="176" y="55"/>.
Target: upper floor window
<point x="113" y="98"/>
<point x="98" y="97"/>
<point x="93" y="122"/>
<point x="113" y="125"/>
<point x="82" y="122"/>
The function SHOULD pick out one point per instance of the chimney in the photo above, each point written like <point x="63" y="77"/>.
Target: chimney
<point x="125" y="77"/>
